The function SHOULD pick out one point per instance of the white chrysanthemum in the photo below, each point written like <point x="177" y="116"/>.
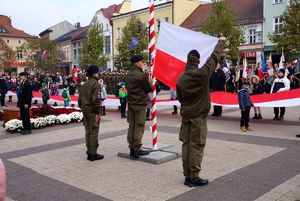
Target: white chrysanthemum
<point x="13" y="125"/>
<point x="51" y="119"/>
<point x="39" y="122"/>
<point x="76" y="116"/>
<point x="63" y="118"/>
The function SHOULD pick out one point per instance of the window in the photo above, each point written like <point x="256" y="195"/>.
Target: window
<point x="278" y="22"/>
<point x="19" y="54"/>
<point x="118" y="33"/>
<point x="166" y="19"/>
<point x="107" y="27"/>
<point x="19" y="41"/>
<point x="107" y="45"/>
<point x="2" y="30"/>
<point x="7" y="41"/>
<point x="252" y="36"/>
<point x="277" y="1"/>
<point x="75" y="53"/>
<point x="74" y="45"/>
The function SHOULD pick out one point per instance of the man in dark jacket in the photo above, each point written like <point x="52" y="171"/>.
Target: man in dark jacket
<point x="217" y="83"/>
<point x="3" y="89"/>
<point x="138" y="87"/>
<point x="89" y="101"/>
<point x="24" y="102"/>
<point x="193" y="93"/>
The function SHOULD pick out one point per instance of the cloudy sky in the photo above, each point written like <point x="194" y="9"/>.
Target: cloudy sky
<point x="34" y="16"/>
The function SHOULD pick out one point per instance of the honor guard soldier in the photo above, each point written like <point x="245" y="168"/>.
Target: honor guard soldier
<point x="193" y="93"/>
<point x="138" y="87"/>
<point x="89" y="101"/>
<point x="24" y="102"/>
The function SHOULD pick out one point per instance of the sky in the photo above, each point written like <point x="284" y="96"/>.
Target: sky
<point x="34" y="16"/>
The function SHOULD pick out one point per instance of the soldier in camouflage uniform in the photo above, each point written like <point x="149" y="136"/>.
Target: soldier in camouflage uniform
<point x="89" y="101"/>
<point x="192" y="89"/>
<point x="138" y="87"/>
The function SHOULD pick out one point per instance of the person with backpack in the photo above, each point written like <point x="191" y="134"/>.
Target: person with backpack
<point x="45" y="94"/>
<point x="66" y="96"/>
<point x="123" y="100"/>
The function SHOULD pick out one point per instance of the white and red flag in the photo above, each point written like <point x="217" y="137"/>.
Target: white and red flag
<point x="245" y="69"/>
<point x="174" y="43"/>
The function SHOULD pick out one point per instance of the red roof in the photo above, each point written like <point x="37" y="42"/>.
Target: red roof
<point x="246" y="12"/>
<point x="79" y="33"/>
<point x="9" y="30"/>
<point x="109" y="11"/>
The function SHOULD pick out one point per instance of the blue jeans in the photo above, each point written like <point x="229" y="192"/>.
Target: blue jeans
<point x="66" y="103"/>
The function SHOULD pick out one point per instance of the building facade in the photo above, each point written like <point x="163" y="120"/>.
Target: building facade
<point x="57" y="30"/>
<point x="66" y="48"/>
<point x="103" y="18"/>
<point x="76" y="45"/>
<point x="174" y="12"/>
<point x="249" y="15"/>
<point x="15" y="38"/>
<point x="273" y="11"/>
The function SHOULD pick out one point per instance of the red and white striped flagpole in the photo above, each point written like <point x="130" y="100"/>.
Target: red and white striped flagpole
<point x="152" y="53"/>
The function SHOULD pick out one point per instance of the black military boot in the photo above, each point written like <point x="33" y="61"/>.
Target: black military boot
<point x="259" y="116"/>
<point x="298" y="135"/>
<point x="140" y="152"/>
<point x="255" y="117"/>
<point x="187" y="181"/>
<point x="131" y="152"/>
<point x="95" y="157"/>
<point x="198" y="182"/>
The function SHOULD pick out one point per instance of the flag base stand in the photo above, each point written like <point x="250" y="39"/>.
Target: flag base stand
<point x="164" y="154"/>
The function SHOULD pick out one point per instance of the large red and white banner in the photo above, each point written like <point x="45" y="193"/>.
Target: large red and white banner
<point x="173" y="45"/>
<point x="282" y="99"/>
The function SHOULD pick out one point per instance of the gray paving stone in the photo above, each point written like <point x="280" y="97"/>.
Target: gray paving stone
<point x="155" y="157"/>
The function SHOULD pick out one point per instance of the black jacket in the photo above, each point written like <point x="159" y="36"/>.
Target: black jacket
<point x="3" y="86"/>
<point x="25" y="94"/>
<point x="217" y="80"/>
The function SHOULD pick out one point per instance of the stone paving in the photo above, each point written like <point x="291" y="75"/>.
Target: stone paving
<point x="50" y="164"/>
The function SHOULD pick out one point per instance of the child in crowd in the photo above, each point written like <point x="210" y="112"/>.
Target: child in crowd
<point x="256" y="88"/>
<point x="123" y="99"/>
<point x="45" y="94"/>
<point x="66" y="96"/>
<point x="245" y="106"/>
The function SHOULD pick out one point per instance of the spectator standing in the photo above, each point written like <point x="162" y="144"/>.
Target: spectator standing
<point x="217" y="83"/>
<point x="256" y="88"/>
<point x="245" y="106"/>
<point x="280" y="84"/>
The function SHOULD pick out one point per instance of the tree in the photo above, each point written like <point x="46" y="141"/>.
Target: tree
<point x="43" y="52"/>
<point x="288" y="36"/>
<point x="134" y="28"/>
<point x="222" y="21"/>
<point x="92" y="48"/>
<point x="6" y="53"/>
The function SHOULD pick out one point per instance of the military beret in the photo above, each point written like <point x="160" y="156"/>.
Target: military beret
<point x="136" y="58"/>
<point x="23" y="74"/>
<point x="194" y="53"/>
<point x="92" y="69"/>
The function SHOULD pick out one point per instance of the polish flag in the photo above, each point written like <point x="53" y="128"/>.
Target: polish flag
<point x="173" y="45"/>
<point x="245" y="69"/>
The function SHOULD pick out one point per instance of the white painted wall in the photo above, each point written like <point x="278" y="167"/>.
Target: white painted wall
<point x="107" y="32"/>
